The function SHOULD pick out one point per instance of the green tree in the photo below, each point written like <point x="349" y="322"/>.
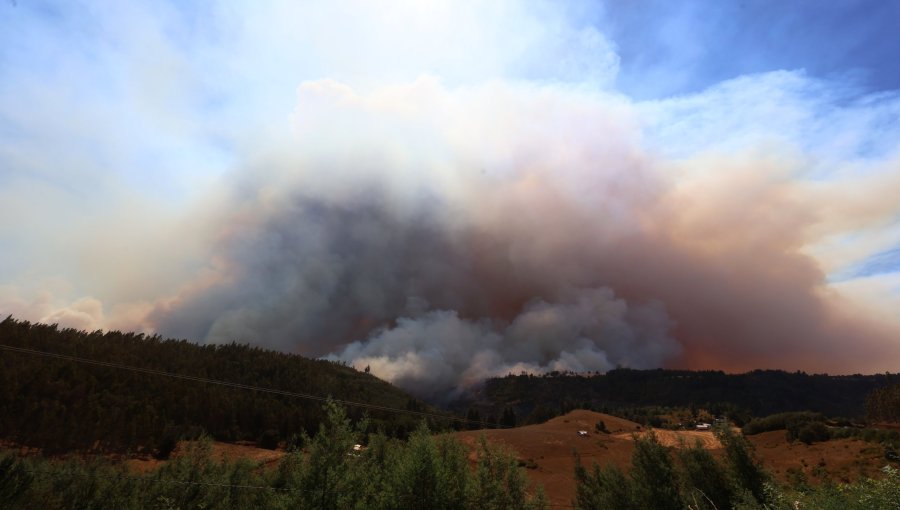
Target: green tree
<point x="473" y="419"/>
<point x="508" y="418"/>
<point x="747" y="472"/>
<point x="500" y="483"/>
<point x="653" y="477"/>
<point x="705" y="481"/>
<point x="416" y="473"/>
<point x="601" y="488"/>
<point x="326" y="481"/>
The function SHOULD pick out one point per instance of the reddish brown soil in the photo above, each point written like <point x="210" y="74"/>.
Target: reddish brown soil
<point x="220" y="451"/>
<point x="840" y="460"/>
<point x="550" y="446"/>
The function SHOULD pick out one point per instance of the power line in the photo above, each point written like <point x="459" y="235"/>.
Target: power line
<point x="230" y="384"/>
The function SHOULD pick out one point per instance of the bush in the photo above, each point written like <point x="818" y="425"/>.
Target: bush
<point x="166" y="446"/>
<point x="269" y="439"/>
<point x="15" y="479"/>
<point x="813" y="432"/>
<point x="652" y="483"/>
<point x="780" y="421"/>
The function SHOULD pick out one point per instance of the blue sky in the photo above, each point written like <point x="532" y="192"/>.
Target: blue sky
<point x="683" y="47"/>
<point x="133" y="133"/>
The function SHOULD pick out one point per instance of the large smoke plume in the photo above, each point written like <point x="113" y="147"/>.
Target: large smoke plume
<point x="587" y="184"/>
<point x="443" y="236"/>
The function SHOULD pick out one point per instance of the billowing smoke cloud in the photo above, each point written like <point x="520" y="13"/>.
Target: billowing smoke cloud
<point x="441" y="236"/>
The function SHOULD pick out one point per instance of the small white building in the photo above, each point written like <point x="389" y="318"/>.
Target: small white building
<point x="703" y="426"/>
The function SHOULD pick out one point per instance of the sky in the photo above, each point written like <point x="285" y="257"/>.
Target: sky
<point x="446" y="191"/>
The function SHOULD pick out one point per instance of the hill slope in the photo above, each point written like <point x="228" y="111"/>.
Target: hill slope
<point x="547" y="451"/>
<point x="58" y="404"/>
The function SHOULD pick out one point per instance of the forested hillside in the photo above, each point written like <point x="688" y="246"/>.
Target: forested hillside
<point x="756" y="393"/>
<point x="884" y="404"/>
<point x="58" y="404"/>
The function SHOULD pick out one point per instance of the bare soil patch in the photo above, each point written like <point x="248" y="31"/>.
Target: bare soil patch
<point x="548" y="448"/>
<point x="677" y="438"/>
<point x="839" y="460"/>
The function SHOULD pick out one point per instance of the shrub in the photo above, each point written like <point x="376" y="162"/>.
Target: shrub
<point x="602" y="488"/>
<point x="780" y="421"/>
<point x="813" y="432"/>
<point x="166" y="446"/>
<point x="269" y="439"/>
<point x="15" y="479"/>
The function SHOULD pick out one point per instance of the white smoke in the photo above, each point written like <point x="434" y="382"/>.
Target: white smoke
<point x="439" y="354"/>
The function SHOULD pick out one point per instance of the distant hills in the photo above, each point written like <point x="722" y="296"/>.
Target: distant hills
<point x="57" y="404"/>
<point x="758" y="393"/>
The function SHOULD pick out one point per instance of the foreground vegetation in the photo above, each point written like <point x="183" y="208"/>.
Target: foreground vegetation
<point x="423" y="472"/>
<point x="426" y="471"/>
<point x="692" y="479"/>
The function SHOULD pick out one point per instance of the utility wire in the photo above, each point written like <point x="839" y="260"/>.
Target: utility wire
<point x="229" y="384"/>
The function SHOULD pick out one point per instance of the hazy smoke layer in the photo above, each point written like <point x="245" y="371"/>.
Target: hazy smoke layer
<point x="441" y="236"/>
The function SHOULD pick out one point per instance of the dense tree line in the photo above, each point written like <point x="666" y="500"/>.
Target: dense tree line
<point x="883" y="404"/>
<point x="59" y="405"/>
<point x="691" y="478"/>
<point x="423" y="472"/>
<point x="757" y="393"/>
<point x="791" y="422"/>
